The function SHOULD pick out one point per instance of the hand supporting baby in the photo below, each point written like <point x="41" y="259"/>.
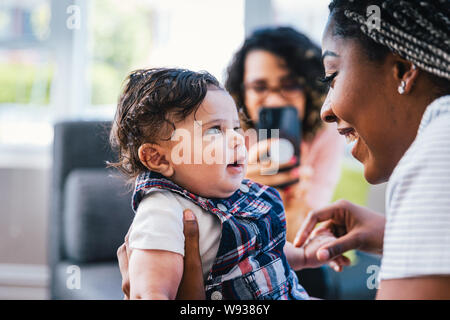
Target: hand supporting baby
<point x="191" y="285"/>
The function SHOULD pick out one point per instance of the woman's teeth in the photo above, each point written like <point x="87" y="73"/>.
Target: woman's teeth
<point x="351" y="136"/>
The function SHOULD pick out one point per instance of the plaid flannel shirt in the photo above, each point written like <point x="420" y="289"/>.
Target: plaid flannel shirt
<point x="250" y="262"/>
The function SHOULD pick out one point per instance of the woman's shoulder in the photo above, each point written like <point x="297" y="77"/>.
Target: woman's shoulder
<point x="423" y="174"/>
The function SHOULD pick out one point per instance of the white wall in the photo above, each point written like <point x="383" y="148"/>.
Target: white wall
<point x="24" y="207"/>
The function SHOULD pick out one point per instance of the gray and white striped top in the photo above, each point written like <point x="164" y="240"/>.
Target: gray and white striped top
<point x="417" y="234"/>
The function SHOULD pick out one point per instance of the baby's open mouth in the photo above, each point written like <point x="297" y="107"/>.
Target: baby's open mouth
<point x="235" y="164"/>
<point x="236" y="167"/>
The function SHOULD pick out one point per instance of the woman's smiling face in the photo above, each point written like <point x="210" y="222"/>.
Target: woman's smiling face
<point x="363" y="101"/>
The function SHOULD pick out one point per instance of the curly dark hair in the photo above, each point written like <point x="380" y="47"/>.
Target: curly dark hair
<point x="416" y="30"/>
<point x="152" y="101"/>
<point x="303" y="59"/>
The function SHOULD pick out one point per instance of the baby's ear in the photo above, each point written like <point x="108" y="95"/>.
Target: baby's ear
<point x="153" y="156"/>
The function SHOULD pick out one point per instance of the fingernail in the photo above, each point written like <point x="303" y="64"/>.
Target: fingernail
<point x="293" y="160"/>
<point x="323" y="254"/>
<point x="188" y="215"/>
<point x="295" y="173"/>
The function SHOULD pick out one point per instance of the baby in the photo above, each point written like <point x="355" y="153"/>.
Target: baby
<point x="180" y="142"/>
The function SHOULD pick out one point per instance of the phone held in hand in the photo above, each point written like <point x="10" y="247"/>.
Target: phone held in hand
<point x="282" y="123"/>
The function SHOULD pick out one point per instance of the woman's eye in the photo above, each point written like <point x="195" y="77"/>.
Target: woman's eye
<point x="260" y="89"/>
<point x="328" y="79"/>
<point x="290" y="86"/>
<point x="213" y="130"/>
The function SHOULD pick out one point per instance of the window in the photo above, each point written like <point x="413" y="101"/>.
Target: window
<point x="26" y="73"/>
<point x="67" y="59"/>
<point x="309" y="17"/>
<point x="198" y="35"/>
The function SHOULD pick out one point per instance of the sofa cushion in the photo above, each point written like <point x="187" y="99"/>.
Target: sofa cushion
<point x="96" y="215"/>
<point x="97" y="281"/>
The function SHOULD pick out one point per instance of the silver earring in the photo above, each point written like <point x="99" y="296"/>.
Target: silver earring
<point x="401" y="87"/>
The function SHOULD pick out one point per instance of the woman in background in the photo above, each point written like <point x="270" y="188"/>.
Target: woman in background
<point x="277" y="67"/>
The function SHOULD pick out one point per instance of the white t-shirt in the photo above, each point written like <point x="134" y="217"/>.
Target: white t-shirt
<point x="417" y="233"/>
<point x="158" y="224"/>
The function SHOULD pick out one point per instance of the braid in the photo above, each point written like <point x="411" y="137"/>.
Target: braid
<point x="424" y="55"/>
<point x="416" y="30"/>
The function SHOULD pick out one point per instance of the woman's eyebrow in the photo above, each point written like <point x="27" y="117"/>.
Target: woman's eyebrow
<point x="213" y="121"/>
<point x="329" y="53"/>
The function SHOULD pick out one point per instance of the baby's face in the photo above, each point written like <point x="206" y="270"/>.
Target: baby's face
<point x="208" y="151"/>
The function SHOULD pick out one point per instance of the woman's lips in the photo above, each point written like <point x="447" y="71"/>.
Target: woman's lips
<point x="351" y="136"/>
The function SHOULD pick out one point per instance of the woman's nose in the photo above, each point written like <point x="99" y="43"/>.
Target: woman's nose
<point x="274" y="99"/>
<point x="326" y="113"/>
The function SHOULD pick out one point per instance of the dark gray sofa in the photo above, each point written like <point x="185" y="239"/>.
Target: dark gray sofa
<point x="91" y="213"/>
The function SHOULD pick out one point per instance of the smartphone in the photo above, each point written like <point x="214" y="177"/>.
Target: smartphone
<point x="286" y="120"/>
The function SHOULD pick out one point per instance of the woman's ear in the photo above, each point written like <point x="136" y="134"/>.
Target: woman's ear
<point x="406" y="74"/>
<point x="154" y="157"/>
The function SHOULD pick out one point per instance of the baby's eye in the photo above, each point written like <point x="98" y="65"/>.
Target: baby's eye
<point x="213" y="130"/>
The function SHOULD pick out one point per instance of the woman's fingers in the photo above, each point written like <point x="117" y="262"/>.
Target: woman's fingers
<point x="336" y="212"/>
<point x="260" y="174"/>
<point x="259" y="151"/>
<point x="338" y="263"/>
<point x="309" y="224"/>
<point x="191" y="286"/>
<point x="337" y="247"/>
<point x="190" y="230"/>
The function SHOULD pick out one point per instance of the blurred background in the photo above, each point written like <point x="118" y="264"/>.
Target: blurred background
<point x="66" y="60"/>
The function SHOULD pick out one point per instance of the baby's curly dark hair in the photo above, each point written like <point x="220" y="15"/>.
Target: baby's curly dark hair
<point x="152" y="101"/>
<point x="303" y="59"/>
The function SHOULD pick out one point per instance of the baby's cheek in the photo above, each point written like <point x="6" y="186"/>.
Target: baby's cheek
<point x="213" y="150"/>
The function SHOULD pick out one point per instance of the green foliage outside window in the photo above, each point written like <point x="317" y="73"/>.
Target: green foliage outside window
<point x="121" y="41"/>
<point x="16" y="83"/>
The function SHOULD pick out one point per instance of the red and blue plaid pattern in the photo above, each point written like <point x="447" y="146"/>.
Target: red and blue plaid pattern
<point x="250" y="263"/>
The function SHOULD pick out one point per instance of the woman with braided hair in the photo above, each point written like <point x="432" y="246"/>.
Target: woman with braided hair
<point x="387" y="65"/>
<point x="389" y="78"/>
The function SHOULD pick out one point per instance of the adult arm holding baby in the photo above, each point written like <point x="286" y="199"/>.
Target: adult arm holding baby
<point x="146" y="267"/>
<point x="187" y="280"/>
<point x="190" y="286"/>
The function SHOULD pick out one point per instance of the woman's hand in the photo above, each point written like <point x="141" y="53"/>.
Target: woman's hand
<point x="191" y="285"/>
<point x="355" y="227"/>
<point x="266" y="171"/>
<point x="306" y="255"/>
